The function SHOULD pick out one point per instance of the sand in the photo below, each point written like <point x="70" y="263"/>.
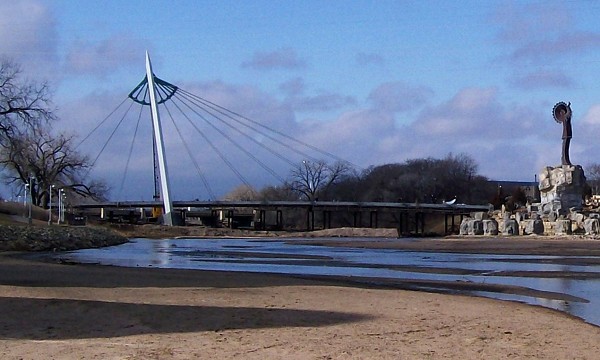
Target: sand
<point x="57" y="311"/>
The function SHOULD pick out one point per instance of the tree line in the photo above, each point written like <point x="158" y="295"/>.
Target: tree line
<point x="34" y="160"/>
<point x="426" y="180"/>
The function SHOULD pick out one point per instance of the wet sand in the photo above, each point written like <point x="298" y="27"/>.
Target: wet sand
<point x="58" y="311"/>
<point x="524" y="245"/>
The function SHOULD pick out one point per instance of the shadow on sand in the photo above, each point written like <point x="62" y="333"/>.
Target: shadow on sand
<point x="60" y="319"/>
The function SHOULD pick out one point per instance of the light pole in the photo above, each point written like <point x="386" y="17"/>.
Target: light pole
<point x="31" y="184"/>
<point x="25" y="200"/>
<point x="60" y="191"/>
<point x="50" y="204"/>
<point x="25" y="195"/>
<point x="63" y="197"/>
<point x="63" y="207"/>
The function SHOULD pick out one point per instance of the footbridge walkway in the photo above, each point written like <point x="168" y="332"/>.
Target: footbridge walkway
<point x="408" y="218"/>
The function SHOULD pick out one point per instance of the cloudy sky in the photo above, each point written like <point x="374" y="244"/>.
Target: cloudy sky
<point x="373" y="82"/>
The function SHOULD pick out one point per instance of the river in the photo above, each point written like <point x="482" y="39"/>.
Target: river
<point x="566" y="283"/>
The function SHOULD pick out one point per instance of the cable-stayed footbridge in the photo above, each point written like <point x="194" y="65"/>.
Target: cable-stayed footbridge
<point x="194" y="119"/>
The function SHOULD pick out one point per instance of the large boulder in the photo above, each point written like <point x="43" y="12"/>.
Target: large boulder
<point x="490" y="227"/>
<point x="510" y="227"/>
<point x="563" y="227"/>
<point x="533" y="227"/>
<point x="471" y="226"/>
<point x="591" y="226"/>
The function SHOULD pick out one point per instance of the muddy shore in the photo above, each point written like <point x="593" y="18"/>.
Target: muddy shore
<point x="58" y="311"/>
<point x="55" y="311"/>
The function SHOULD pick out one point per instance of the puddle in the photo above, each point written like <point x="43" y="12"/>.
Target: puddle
<point x="567" y="283"/>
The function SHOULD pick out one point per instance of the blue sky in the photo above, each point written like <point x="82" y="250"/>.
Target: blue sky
<point x="374" y="82"/>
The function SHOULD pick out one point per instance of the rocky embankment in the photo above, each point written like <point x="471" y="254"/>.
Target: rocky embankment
<point x="56" y="238"/>
<point x="62" y="238"/>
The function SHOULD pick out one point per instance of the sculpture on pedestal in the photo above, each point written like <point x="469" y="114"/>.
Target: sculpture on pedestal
<point x="561" y="187"/>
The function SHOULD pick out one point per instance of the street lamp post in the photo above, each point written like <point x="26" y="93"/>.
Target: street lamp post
<point x="63" y="207"/>
<point x="50" y="204"/>
<point x="31" y="180"/>
<point x="60" y="191"/>
<point x="25" y="200"/>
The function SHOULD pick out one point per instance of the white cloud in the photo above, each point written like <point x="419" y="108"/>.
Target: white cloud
<point x="293" y="86"/>
<point x="105" y="57"/>
<point x="543" y="79"/>
<point x="399" y="97"/>
<point x="285" y="58"/>
<point x="365" y="59"/>
<point x="592" y="116"/>
<point x="467" y="114"/>
<point x="28" y="36"/>
<point x="541" y="33"/>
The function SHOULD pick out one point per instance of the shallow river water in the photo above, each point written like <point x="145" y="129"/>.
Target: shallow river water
<point x="567" y="283"/>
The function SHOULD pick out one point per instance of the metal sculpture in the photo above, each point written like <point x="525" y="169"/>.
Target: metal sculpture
<point x="562" y="114"/>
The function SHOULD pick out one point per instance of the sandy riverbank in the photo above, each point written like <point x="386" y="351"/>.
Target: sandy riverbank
<point x="54" y="311"/>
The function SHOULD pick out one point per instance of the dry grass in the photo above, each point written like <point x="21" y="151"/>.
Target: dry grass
<point x="15" y="212"/>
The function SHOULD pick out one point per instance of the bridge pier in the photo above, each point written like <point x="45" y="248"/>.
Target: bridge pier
<point x="373" y="219"/>
<point x="357" y="216"/>
<point x="326" y="219"/>
<point x="310" y="219"/>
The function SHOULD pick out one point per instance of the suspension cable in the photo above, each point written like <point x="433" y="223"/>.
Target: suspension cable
<point x="189" y="152"/>
<point x="249" y="154"/>
<point x="216" y="106"/>
<point x="137" y="125"/>
<point x="204" y="105"/>
<point x="238" y="130"/>
<point x="108" y="140"/>
<point x="101" y="122"/>
<point x="216" y="150"/>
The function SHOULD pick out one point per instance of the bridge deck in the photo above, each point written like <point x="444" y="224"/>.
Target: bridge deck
<point x="317" y="205"/>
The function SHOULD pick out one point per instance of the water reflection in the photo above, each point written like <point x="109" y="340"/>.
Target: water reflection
<point x="570" y="284"/>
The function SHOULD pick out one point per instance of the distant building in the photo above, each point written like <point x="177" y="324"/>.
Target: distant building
<point x="530" y="188"/>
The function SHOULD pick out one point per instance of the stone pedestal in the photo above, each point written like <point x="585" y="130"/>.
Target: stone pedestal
<point x="561" y="188"/>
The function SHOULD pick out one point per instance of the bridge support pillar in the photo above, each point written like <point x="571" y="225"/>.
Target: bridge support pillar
<point x="357" y="215"/>
<point x="279" y="220"/>
<point x="326" y="219"/>
<point x="419" y="222"/>
<point x="262" y="214"/>
<point x="310" y="219"/>
<point x="373" y="219"/>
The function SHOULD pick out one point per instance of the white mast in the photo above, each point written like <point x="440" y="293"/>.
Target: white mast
<point x="160" y="147"/>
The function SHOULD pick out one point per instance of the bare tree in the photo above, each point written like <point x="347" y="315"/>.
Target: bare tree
<point x="241" y="193"/>
<point x="274" y="193"/>
<point x="33" y="156"/>
<point x="313" y="178"/>
<point x="22" y="102"/>
<point x="593" y="177"/>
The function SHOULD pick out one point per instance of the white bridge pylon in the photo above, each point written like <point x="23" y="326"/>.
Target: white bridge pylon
<point x="160" y="146"/>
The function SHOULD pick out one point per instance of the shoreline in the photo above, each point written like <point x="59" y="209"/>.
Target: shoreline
<point x="91" y="311"/>
<point x="80" y="311"/>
